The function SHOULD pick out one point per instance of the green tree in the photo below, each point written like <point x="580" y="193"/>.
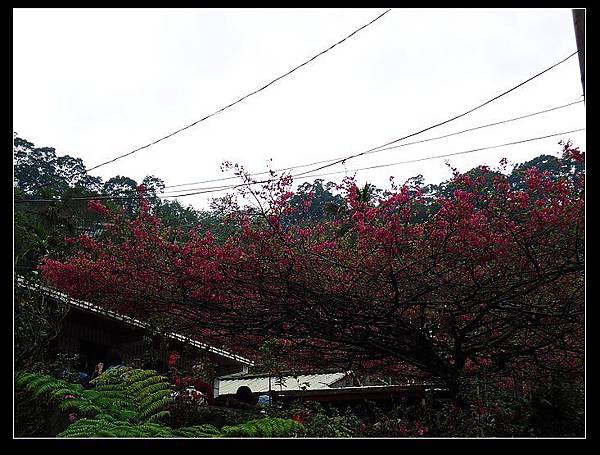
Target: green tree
<point x="36" y="322"/>
<point x="324" y="203"/>
<point x="40" y="167"/>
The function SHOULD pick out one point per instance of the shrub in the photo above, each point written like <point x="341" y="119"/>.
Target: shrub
<point x="189" y="414"/>
<point x="265" y="428"/>
<point x="128" y="402"/>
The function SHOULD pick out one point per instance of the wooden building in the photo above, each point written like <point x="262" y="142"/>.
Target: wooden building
<point x="101" y="335"/>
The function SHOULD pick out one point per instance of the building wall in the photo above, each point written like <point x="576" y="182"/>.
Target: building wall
<point x="83" y="331"/>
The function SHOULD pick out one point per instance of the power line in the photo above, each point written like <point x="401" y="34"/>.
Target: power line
<point x="450" y="154"/>
<point x="446" y="121"/>
<point x="210" y="190"/>
<point x="477" y="127"/>
<point x="224" y="187"/>
<point x="229" y="187"/>
<point x="243" y="97"/>
<point x="342" y="160"/>
<point x="387" y="148"/>
<point x="372" y="150"/>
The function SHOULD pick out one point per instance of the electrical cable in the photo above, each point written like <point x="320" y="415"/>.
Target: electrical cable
<point x="240" y="99"/>
<point x="387" y="148"/>
<point x="229" y="187"/>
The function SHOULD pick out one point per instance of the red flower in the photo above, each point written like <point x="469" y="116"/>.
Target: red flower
<point x="298" y="418"/>
<point x="98" y="207"/>
<point x="575" y="154"/>
<point x="402" y="431"/>
<point x="485" y="362"/>
<point x="421" y="430"/>
<point x="375" y="256"/>
<point x="173" y="359"/>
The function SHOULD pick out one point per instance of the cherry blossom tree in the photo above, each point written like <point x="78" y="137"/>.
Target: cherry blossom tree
<point x="492" y="278"/>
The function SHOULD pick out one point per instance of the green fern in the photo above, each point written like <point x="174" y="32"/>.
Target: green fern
<point x="42" y="384"/>
<point x="198" y="431"/>
<point x="188" y="432"/>
<point x="264" y="428"/>
<point x="131" y="403"/>
<point x="142" y="384"/>
<point x="126" y="394"/>
<point x="102" y="427"/>
<point x="88" y="428"/>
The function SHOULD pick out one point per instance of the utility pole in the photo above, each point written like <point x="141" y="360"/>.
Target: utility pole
<point x="579" y="24"/>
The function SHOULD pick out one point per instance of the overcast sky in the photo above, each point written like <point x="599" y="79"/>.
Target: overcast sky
<point x="97" y="83"/>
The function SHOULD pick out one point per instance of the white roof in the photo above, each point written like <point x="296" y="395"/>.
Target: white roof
<point x="261" y="383"/>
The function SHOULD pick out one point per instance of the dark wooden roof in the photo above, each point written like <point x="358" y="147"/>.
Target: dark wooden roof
<point x="89" y="307"/>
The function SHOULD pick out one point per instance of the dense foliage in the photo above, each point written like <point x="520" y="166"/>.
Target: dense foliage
<point x="121" y="393"/>
<point x="477" y="282"/>
<point x="56" y="182"/>
<point x="37" y="321"/>
<point x="492" y="278"/>
<point x="128" y="402"/>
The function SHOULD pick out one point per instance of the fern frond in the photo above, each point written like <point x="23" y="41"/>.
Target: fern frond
<point x="139" y="385"/>
<point x="123" y="399"/>
<point x="151" y="389"/>
<point x="23" y="377"/>
<point x="159" y="416"/>
<point x="155" y="406"/>
<point x="190" y="432"/>
<point x="264" y="428"/>
<point x="61" y="392"/>
<point x="199" y="431"/>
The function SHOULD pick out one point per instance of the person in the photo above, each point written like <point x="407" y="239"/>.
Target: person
<point x="159" y="366"/>
<point x="114" y="360"/>
<point x="98" y="370"/>
<point x="84" y="377"/>
<point x="207" y="390"/>
<point x="264" y="400"/>
<point x="244" y="394"/>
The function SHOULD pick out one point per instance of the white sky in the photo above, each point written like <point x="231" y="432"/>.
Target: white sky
<point x="96" y="83"/>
